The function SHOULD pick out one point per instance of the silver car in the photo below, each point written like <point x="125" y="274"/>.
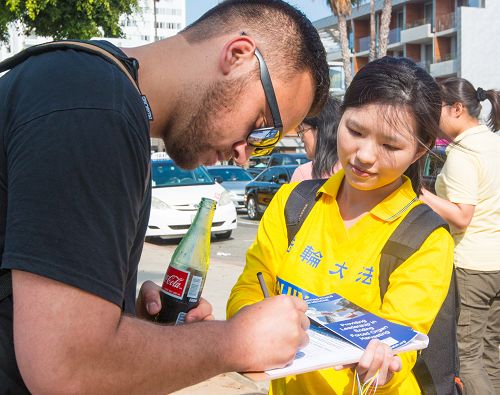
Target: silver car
<point x="234" y="179"/>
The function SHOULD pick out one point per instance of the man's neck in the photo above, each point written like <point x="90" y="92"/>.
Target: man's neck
<point x="166" y="68"/>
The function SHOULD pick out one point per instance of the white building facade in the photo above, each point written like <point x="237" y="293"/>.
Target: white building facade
<point x="155" y="20"/>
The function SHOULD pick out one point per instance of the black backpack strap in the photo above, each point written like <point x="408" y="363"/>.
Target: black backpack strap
<point x="408" y="237"/>
<point x="299" y="205"/>
<point x="20" y="57"/>
<point x="437" y="366"/>
<point x="5" y="284"/>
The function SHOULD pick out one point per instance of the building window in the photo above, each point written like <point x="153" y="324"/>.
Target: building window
<point x="169" y="11"/>
<point x="336" y="77"/>
<point x="168" y="25"/>
<point x="429" y="13"/>
<point x="471" y="3"/>
<point x="400" y="20"/>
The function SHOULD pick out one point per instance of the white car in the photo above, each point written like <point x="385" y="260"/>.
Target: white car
<point x="175" y="198"/>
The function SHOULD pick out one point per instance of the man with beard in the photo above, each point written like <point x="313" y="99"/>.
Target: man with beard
<point x="75" y="196"/>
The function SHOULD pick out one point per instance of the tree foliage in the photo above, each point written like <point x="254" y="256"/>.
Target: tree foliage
<point x="60" y="19"/>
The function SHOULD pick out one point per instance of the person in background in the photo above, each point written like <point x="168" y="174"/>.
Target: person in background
<point x="319" y="135"/>
<point x="468" y="198"/>
<point x="389" y="120"/>
<point x="75" y="197"/>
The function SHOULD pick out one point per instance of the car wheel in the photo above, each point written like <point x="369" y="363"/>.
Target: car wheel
<point x="223" y="236"/>
<point x="252" y="211"/>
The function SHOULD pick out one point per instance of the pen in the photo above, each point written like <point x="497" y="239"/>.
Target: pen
<point x="263" y="285"/>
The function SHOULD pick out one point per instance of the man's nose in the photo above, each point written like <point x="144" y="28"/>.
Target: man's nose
<point x="242" y="152"/>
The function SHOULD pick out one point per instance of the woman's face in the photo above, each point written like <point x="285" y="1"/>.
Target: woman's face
<point x="376" y="145"/>
<point x="448" y="120"/>
<point x="307" y="134"/>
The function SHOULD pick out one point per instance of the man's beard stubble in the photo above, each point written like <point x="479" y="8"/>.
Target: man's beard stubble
<point x="187" y="145"/>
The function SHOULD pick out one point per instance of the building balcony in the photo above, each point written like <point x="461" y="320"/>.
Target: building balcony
<point x="444" y="67"/>
<point x="394" y="36"/>
<point x="364" y="44"/>
<point x="445" y="22"/>
<point x="393" y="39"/>
<point x="418" y="34"/>
<point x="426" y="65"/>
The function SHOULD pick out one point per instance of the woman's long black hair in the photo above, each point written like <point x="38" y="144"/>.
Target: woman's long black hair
<point x="326" y="124"/>
<point x="400" y="83"/>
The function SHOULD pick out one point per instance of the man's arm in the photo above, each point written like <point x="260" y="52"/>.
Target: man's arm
<point x="70" y="341"/>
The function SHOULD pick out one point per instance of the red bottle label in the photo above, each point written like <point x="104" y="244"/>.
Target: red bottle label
<point x="175" y="282"/>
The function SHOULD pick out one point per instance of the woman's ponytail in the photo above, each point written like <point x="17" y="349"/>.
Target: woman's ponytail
<point x="493" y="121"/>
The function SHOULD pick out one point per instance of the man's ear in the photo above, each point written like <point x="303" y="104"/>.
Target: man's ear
<point x="237" y="52"/>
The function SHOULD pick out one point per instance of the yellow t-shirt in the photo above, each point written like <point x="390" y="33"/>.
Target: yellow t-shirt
<point x="325" y="257"/>
<point x="471" y="175"/>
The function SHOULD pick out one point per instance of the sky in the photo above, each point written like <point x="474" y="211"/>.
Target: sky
<point x="314" y="9"/>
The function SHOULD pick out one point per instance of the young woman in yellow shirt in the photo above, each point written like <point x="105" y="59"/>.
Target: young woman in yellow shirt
<point x="390" y="119"/>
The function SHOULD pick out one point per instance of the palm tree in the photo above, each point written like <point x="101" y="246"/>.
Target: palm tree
<point x="342" y="9"/>
<point x="384" y="28"/>
<point x="373" y="33"/>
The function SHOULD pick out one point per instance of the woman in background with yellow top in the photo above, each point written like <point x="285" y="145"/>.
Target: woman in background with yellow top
<point x="468" y="190"/>
<point x="390" y="118"/>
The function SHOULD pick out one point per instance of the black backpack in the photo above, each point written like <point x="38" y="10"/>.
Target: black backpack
<point x="437" y="367"/>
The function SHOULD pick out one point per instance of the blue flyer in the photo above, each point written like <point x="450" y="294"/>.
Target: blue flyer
<point x="355" y="324"/>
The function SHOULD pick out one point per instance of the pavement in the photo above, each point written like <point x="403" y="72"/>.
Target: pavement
<point x="225" y="267"/>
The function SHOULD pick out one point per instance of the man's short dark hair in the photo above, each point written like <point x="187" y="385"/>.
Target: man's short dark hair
<point x="287" y="39"/>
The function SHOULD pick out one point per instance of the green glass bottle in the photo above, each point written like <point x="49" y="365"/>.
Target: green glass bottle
<point x="186" y="274"/>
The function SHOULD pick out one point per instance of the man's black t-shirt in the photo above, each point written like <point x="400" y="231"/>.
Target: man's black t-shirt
<point x="74" y="187"/>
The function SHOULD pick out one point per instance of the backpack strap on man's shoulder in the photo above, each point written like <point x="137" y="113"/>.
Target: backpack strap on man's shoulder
<point x="299" y="205"/>
<point x="20" y="57"/>
<point x="408" y="237"/>
<point x="5" y="284"/>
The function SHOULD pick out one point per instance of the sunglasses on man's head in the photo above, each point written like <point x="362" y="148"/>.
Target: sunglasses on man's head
<point x="265" y="139"/>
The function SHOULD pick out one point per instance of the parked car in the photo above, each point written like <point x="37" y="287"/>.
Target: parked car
<point x="255" y="171"/>
<point x="279" y="159"/>
<point x="257" y="165"/>
<point x="260" y="191"/>
<point x="234" y="179"/>
<point x="258" y="161"/>
<point x="175" y="198"/>
<point x="434" y="162"/>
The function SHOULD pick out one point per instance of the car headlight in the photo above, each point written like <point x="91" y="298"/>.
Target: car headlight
<point x="225" y="198"/>
<point x="159" y="204"/>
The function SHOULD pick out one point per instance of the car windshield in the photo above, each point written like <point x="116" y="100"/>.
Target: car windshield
<point x="301" y="160"/>
<point x="165" y="173"/>
<point x="232" y="174"/>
